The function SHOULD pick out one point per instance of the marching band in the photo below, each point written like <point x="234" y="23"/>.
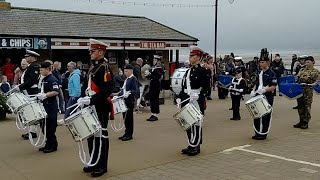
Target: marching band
<point x="89" y="116"/>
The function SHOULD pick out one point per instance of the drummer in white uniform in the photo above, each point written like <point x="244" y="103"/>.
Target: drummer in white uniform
<point x="265" y="84"/>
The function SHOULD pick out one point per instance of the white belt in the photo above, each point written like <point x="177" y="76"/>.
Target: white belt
<point x="193" y="91"/>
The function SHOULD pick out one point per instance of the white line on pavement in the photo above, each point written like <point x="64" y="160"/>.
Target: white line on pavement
<point x="242" y="148"/>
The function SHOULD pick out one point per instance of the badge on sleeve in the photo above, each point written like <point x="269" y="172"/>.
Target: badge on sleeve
<point x="36" y="72"/>
<point x="274" y="81"/>
<point x="55" y="86"/>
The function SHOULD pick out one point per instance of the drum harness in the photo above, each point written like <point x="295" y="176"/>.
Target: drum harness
<point x="261" y="124"/>
<point x="193" y="93"/>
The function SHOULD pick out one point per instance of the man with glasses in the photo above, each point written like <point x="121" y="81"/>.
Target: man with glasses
<point x="100" y="87"/>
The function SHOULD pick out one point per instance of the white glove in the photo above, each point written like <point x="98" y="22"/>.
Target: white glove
<point x="194" y="96"/>
<point x="240" y="90"/>
<point x="41" y="96"/>
<point x="147" y="73"/>
<point x="261" y="91"/>
<point x="178" y="101"/>
<point x="84" y="101"/>
<point x="294" y="73"/>
<point x="230" y="87"/>
<point x="15" y="89"/>
<point x="227" y="73"/>
<point x="252" y="94"/>
<point x="127" y="94"/>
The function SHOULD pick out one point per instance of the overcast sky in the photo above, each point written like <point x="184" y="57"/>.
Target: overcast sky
<point x="243" y="25"/>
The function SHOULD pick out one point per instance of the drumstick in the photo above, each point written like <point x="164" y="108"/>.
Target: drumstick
<point x="183" y="101"/>
<point x="75" y="109"/>
<point x="76" y="104"/>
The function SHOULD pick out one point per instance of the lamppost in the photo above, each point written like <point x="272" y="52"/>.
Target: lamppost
<point x="216" y="28"/>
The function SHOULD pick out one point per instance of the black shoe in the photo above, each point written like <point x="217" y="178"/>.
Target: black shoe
<point x="230" y="109"/>
<point x="98" y="172"/>
<point x="194" y="151"/>
<point x="209" y="98"/>
<point x="49" y="150"/>
<point x="259" y="137"/>
<point x="186" y="150"/>
<point x="120" y="138"/>
<point x="235" y="119"/>
<point x="42" y="148"/>
<point x="153" y="118"/>
<point x="295" y="107"/>
<point x="26" y="136"/>
<point x="88" y="169"/>
<point x="304" y="126"/>
<point x="127" y="138"/>
<point x="298" y="125"/>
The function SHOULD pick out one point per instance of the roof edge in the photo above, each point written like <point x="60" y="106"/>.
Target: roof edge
<point x="195" y="39"/>
<point x="74" y="12"/>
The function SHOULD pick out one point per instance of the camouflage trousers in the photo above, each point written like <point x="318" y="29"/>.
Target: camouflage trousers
<point x="304" y="105"/>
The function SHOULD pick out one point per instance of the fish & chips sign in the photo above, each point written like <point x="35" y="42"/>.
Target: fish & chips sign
<point x="16" y="42"/>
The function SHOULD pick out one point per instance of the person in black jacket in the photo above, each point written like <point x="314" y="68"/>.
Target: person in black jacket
<point x="130" y="92"/>
<point x="278" y="67"/>
<point x="100" y="87"/>
<point x="29" y="82"/>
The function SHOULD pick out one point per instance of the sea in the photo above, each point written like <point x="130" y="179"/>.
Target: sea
<point x="248" y="55"/>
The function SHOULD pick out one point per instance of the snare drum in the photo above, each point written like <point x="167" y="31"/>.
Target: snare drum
<point x="258" y="106"/>
<point x="119" y="106"/>
<point x="83" y="124"/>
<point x="176" y="80"/>
<point x="31" y="114"/>
<point x="187" y="116"/>
<point x="17" y="100"/>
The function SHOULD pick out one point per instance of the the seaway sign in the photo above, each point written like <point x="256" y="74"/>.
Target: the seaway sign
<point x="6" y="42"/>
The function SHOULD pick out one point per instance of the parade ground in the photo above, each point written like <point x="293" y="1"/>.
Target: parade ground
<point x="227" y="152"/>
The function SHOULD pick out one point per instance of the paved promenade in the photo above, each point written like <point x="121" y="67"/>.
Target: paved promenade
<point x="228" y="152"/>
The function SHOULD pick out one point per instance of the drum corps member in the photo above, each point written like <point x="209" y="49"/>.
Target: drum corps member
<point x="237" y="89"/>
<point x="196" y="84"/>
<point x="100" y="86"/>
<point x="130" y="92"/>
<point x="29" y="82"/>
<point x="49" y="91"/>
<point x="308" y="77"/>
<point x="265" y="84"/>
<point x="155" y="75"/>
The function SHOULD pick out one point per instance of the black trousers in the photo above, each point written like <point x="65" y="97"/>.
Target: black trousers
<point x="236" y="105"/>
<point x="196" y="133"/>
<point x="222" y="93"/>
<point x="103" y="161"/>
<point x="154" y="93"/>
<point x="128" y="119"/>
<point x="51" y="124"/>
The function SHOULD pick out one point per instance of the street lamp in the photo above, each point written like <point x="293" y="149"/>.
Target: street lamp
<point x="216" y="29"/>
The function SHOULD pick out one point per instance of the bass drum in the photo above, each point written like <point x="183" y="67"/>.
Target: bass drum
<point x="176" y="80"/>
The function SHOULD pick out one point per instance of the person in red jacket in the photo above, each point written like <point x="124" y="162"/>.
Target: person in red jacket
<point x="8" y="70"/>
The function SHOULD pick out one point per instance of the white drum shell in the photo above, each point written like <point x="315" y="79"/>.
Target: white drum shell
<point x="17" y="100"/>
<point x="32" y="113"/>
<point x="176" y="79"/>
<point x="258" y="106"/>
<point x="187" y="116"/>
<point x="119" y="106"/>
<point x="83" y="124"/>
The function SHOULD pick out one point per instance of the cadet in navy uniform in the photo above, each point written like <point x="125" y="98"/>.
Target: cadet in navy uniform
<point x="49" y="91"/>
<point x="268" y="85"/>
<point x="155" y="74"/>
<point x="199" y="80"/>
<point x="130" y="92"/>
<point x="29" y="81"/>
<point x="100" y="87"/>
<point x="237" y="89"/>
